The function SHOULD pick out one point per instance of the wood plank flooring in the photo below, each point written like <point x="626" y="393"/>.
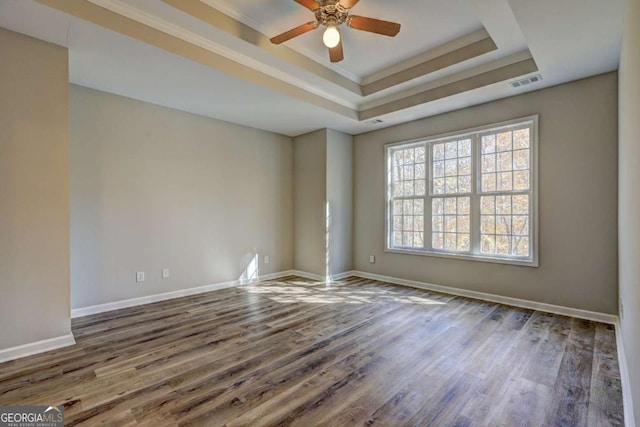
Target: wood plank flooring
<point x="302" y="353"/>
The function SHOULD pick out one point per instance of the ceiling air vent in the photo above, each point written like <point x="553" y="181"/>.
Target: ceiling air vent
<point x="526" y="81"/>
<point x="374" y="122"/>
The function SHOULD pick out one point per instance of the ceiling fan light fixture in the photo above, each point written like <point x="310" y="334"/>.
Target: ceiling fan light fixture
<point x="331" y="37"/>
<point x="332" y="14"/>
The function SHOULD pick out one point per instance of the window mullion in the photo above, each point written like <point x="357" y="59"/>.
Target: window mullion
<point x="428" y="238"/>
<point x="475" y="196"/>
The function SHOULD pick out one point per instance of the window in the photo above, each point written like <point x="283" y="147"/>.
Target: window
<point x="470" y="195"/>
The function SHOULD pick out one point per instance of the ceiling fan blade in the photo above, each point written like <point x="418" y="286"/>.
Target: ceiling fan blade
<point x="377" y="26"/>
<point x="349" y="3"/>
<point x="336" y="54"/>
<point x="288" y="35"/>
<point x="309" y="4"/>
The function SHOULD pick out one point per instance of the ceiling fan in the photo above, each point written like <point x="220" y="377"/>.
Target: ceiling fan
<point x="332" y="14"/>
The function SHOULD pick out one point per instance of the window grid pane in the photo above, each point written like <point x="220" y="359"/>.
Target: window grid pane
<point x="504" y="225"/>
<point x="408" y="223"/>
<point x="451" y="224"/>
<point x="506" y="161"/>
<point x="451" y="167"/>
<point x="408" y="187"/>
<point x="408" y="172"/>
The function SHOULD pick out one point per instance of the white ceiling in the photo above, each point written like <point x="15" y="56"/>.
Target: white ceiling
<point x="365" y="53"/>
<point x="568" y="39"/>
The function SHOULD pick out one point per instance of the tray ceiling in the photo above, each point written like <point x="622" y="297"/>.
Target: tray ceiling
<point x="426" y="24"/>
<point x="448" y="55"/>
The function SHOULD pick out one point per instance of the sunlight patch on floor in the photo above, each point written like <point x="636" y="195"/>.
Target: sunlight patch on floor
<point x="322" y="293"/>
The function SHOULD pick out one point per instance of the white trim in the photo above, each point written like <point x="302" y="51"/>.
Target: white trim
<point x="627" y="402"/>
<point x="310" y="276"/>
<point x="533" y="305"/>
<point x="343" y="275"/>
<point x="455" y="77"/>
<point x="116" y="305"/>
<point x="516" y="302"/>
<point x="30" y="349"/>
<point x="263" y="277"/>
<point x="277" y="275"/>
<point x="464" y="256"/>
<point x="429" y="55"/>
<point x="532" y="123"/>
<point x="319" y="277"/>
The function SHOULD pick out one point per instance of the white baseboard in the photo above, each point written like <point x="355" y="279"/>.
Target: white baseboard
<point x="550" y="308"/>
<point x="516" y="302"/>
<point x="344" y="275"/>
<point x="277" y="275"/>
<point x="310" y="276"/>
<point x="36" y="347"/>
<point x="320" y="278"/>
<point x="629" y="420"/>
<point x="116" y="305"/>
<point x="265" y="277"/>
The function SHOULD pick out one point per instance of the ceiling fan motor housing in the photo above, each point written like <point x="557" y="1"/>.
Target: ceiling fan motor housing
<point x="331" y="12"/>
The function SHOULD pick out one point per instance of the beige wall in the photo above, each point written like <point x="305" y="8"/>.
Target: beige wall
<point x="578" y="199"/>
<point x="310" y="189"/>
<point x="629" y="208"/>
<point x="323" y="202"/>
<point x="153" y="187"/>
<point x="34" y="190"/>
<point x="340" y="198"/>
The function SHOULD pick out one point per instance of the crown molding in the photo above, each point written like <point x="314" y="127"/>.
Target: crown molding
<point x="239" y="30"/>
<point x="142" y="17"/>
<point x="121" y="17"/>
<point x="476" y="81"/>
<point x="428" y="55"/>
<point x="222" y="16"/>
<point x="448" y="79"/>
<point x="457" y="56"/>
<point x="129" y="27"/>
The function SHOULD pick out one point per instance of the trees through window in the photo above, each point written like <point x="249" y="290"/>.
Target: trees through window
<point x="469" y="195"/>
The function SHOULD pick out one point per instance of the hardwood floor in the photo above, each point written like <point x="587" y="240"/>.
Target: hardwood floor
<point x="297" y="352"/>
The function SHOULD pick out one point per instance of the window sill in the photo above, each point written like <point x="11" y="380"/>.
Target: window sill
<point x="465" y="257"/>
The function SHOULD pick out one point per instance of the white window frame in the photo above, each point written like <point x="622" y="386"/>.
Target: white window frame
<point x="475" y="135"/>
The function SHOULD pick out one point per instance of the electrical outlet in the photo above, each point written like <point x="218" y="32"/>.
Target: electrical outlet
<point x="140" y="276"/>
<point x="165" y="273"/>
<point x="266" y="259"/>
<point x="372" y="259"/>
